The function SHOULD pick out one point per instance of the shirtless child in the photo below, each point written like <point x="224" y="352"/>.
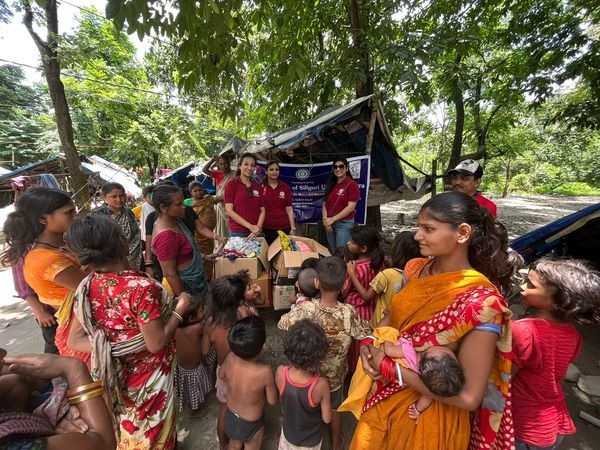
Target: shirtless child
<point x="230" y="295"/>
<point x="249" y="384"/>
<point x="195" y="372"/>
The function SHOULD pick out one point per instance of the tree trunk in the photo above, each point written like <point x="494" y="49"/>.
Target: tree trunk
<point x="364" y="78"/>
<point x="459" y="106"/>
<point x="49" y="54"/>
<point x="506" y="180"/>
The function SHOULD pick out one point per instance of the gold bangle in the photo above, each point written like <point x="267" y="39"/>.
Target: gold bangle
<point x="177" y="316"/>
<point x="84" y="388"/>
<point x="86" y="396"/>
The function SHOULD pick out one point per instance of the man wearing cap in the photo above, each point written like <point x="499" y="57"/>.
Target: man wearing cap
<point x="466" y="177"/>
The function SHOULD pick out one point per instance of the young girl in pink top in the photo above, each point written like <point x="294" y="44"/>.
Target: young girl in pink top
<point x="560" y="293"/>
<point x="365" y="247"/>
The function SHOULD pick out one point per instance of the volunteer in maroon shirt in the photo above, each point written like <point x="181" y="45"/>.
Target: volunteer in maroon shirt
<point x="244" y="201"/>
<point x="341" y="196"/>
<point x="277" y="197"/>
<point x="466" y="177"/>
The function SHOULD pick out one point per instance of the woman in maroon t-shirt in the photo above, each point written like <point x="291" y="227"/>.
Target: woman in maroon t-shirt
<point x="277" y="197"/>
<point x="340" y="199"/>
<point x="244" y="201"/>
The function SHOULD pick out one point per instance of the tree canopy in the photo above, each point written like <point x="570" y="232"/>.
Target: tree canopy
<point x="508" y="83"/>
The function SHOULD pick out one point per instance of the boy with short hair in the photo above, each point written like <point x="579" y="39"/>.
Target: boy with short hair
<point x="305" y="286"/>
<point x="249" y="384"/>
<point x="340" y="322"/>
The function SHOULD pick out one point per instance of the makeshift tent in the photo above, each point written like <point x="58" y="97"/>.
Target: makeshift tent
<point x="98" y="171"/>
<point x="357" y="128"/>
<point x="576" y="235"/>
<point x="183" y="175"/>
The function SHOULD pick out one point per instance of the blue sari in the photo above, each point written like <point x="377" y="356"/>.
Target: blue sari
<point x="193" y="276"/>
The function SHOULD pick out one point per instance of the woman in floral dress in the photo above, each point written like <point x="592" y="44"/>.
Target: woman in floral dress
<point x="127" y="321"/>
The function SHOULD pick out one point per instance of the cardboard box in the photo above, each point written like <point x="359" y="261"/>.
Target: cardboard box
<point x="255" y="265"/>
<point x="283" y="296"/>
<point x="286" y="263"/>
<point x="266" y="291"/>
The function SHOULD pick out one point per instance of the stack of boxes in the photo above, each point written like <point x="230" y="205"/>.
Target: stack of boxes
<point x="275" y="270"/>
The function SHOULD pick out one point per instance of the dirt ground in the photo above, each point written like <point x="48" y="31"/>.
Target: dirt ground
<point x="520" y="214"/>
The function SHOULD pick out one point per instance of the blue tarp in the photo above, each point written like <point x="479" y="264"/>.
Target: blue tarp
<point x="544" y="239"/>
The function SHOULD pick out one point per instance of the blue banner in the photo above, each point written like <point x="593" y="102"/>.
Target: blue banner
<point x="308" y="186"/>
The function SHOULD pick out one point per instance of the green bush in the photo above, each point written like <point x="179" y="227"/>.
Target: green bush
<point x="575" y="188"/>
<point x="521" y="183"/>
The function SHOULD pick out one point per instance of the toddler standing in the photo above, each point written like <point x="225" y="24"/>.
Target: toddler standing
<point x="229" y="304"/>
<point x="341" y="323"/>
<point x="194" y="376"/>
<point x="249" y="384"/>
<point x="560" y="293"/>
<point x="305" y="397"/>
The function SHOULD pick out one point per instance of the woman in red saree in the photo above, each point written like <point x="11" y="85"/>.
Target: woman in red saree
<point x="452" y="297"/>
<point x="127" y="321"/>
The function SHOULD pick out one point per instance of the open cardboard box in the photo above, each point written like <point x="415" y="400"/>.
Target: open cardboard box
<point x="286" y="263"/>
<point x="255" y="265"/>
<point x="266" y="292"/>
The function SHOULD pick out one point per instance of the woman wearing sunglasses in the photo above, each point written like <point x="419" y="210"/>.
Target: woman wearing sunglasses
<point x="244" y="200"/>
<point x="341" y="196"/>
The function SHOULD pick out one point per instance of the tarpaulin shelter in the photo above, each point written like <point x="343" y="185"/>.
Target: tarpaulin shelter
<point x="97" y="170"/>
<point x="576" y="235"/>
<point x="357" y="128"/>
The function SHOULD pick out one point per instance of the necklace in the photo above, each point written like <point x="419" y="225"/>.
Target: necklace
<point x="47" y="244"/>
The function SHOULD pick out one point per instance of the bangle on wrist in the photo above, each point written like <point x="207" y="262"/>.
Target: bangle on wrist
<point x="84" y="388"/>
<point x="87" y="396"/>
<point x="177" y="316"/>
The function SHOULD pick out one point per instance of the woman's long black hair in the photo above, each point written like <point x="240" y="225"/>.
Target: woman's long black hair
<point x="96" y="240"/>
<point x="23" y="226"/>
<point x="333" y="179"/>
<point x="488" y="250"/>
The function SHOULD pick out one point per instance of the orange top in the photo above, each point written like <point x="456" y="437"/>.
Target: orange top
<point x="41" y="267"/>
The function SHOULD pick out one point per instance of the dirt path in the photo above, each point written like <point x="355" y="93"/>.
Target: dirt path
<point x="19" y="333"/>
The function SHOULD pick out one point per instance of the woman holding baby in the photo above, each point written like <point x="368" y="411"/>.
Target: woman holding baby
<point x="452" y="299"/>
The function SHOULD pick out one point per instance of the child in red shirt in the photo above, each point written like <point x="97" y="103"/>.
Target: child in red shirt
<point x="368" y="260"/>
<point x="560" y="292"/>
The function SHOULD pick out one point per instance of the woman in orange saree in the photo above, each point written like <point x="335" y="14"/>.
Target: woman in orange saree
<point x="447" y="300"/>
<point x="35" y="232"/>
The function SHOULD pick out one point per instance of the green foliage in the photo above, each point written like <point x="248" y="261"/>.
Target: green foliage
<point x="574" y="188"/>
<point x="20" y="118"/>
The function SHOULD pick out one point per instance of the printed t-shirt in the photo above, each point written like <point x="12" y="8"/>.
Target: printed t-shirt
<point x="386" y="284"/>
<point x="341" y="323"/>
<point x="41" y="268"/>
<point x="543" y="350"/>
<point x="246" y="201"/>
<point x="346" y="191"/>
<point x="171" y="245"/>
<point x="275" y="201"/>
<point x="486" y="203"/>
